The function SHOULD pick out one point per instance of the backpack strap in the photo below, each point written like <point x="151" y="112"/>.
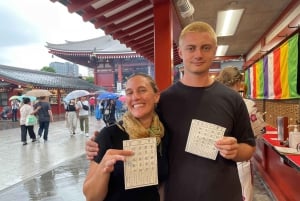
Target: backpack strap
<point x="120" y="125"/>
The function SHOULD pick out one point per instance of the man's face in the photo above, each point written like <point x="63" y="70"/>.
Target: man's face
<point x="197" y="50"/>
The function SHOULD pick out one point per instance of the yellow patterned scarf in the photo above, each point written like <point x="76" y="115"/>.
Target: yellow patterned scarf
<point x="135" y="129"/>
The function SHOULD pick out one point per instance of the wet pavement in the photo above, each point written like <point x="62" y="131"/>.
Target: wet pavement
<point x="63" y="183"/>
<point x="55" y="171"/>
<point x="52" y="170"/>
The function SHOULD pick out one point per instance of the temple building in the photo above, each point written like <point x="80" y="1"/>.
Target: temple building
<point x="17" y="81"/>
<point x="111" y="61"/>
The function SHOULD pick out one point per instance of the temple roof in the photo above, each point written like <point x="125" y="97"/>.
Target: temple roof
<point x="41" y="79"/>
<point x="101" y="45"/>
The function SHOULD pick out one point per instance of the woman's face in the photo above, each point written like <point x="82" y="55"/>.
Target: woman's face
<point x="140" y="97"/>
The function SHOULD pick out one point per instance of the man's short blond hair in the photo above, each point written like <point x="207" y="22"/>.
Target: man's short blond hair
<point x="198" y="27"/>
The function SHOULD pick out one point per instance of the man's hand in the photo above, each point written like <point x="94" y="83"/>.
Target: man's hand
<point x="91" y="147"/>
<point x="228" y="147"/>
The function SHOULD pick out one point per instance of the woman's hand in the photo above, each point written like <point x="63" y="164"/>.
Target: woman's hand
<point x="111" y="157"/>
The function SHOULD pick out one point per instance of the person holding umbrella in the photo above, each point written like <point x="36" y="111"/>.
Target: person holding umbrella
<point x="92" y="103"/>
<point x="71" y="116"/>
<point x="43" y="109"/>
<point x="83" y="108"/>
<point x="109" y="112"/>
<point x="26" y="110"/>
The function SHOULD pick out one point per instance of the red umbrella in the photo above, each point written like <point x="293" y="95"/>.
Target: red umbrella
<point x="122" y="98"/>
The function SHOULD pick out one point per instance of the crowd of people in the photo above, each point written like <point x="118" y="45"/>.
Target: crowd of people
<point x="109" y="110"/>
<point x="104" y="110"/>
<point x="11" y="112"/>
<point x="76" y="110"/>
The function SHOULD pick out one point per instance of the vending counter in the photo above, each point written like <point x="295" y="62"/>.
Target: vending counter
<point x="280" y="171"/>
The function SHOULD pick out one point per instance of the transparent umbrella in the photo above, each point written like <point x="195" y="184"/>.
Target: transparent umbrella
<point x="20" y="98"/>
<point x="76" y="94"/>
<point x="14" y="98"/>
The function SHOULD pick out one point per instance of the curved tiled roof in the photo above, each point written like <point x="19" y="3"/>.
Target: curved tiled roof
<point x="42" y="79"/>
<point x="101" y="45"/>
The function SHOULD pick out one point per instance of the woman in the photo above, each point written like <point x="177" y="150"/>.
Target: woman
<point x="25" y="110"/>
<point x="105" y="178"/>
<point x="231" y="77"/>
<point x="71" y="117"/>
<point x="98" y="110"/>
<point x="109" y="112"/>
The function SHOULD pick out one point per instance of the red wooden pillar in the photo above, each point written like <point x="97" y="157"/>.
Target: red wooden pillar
<point x="59" y="109"/>
<point x="120" y="76"/>
<point x="163" y="43"/>
<point x="95" y="75"/>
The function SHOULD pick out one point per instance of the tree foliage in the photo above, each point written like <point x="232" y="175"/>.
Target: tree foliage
<point x="48" y="69"/>
<point x="90" y="80"/>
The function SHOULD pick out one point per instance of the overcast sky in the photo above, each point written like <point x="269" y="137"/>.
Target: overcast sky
<point x="26" y="26"/>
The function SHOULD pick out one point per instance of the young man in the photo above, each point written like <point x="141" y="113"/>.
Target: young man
<point x="43" y="109"/>
<point x="197" y="96"/>
<point x="83" y="115"/>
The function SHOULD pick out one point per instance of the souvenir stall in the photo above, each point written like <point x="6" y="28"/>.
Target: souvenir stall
<point x="273" y="82"/>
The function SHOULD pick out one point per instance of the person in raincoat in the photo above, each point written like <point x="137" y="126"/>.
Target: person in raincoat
<point x="99" y="110"/>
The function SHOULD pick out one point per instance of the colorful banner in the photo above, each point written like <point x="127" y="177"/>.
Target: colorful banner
<point x="276" y="75"/>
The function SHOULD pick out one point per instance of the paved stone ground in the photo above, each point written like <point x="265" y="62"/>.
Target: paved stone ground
<point x="63" y="183"/>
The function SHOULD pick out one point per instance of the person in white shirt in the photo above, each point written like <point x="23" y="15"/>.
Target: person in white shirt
<point x="25" y="110"/>
<point x="83" y="115"/>
<point x="14" y="109"/>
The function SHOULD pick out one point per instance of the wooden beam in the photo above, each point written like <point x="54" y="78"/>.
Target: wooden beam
<point x="100" y="12"/>
<point x="163" y="43"/>
<point x="148" y="14"/>
<point x="103" y="21"/>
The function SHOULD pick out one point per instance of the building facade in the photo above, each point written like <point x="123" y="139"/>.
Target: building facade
<point x="17" y="81"/>
<point x="111" y="61"/>
<point x="67" y="68"/>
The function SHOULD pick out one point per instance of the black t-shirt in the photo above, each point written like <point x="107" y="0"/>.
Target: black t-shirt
<point x="43" y="112"/>
<point x="192" y="177"/>
<point x="71" y="108"/>
<point x="112" y="137"/>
